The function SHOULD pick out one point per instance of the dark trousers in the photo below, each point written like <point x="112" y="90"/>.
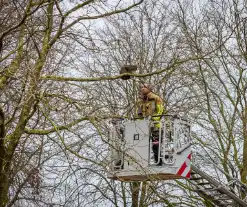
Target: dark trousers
<point x="155" y="145"/>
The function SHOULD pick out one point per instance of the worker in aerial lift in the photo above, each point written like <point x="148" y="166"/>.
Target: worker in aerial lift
<point x="150" y="104"/>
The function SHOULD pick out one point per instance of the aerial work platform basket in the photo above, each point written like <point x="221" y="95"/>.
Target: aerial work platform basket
<point x="132" y="153"/>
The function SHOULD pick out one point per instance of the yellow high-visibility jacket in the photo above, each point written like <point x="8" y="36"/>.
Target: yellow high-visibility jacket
<point x="150" y="105"/>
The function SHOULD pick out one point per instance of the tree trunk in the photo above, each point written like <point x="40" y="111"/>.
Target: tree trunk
<point x="135" y="193"/>
<point x="4" y="185"/>
<point x="244" y="168"/>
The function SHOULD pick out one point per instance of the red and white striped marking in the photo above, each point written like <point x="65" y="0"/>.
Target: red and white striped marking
<point x="184" y="170"/>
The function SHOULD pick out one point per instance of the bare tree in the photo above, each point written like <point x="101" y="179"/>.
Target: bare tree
<point x="32" y="35"/>
<point x="60" y="83"/>
<point x="219" y="80"/>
